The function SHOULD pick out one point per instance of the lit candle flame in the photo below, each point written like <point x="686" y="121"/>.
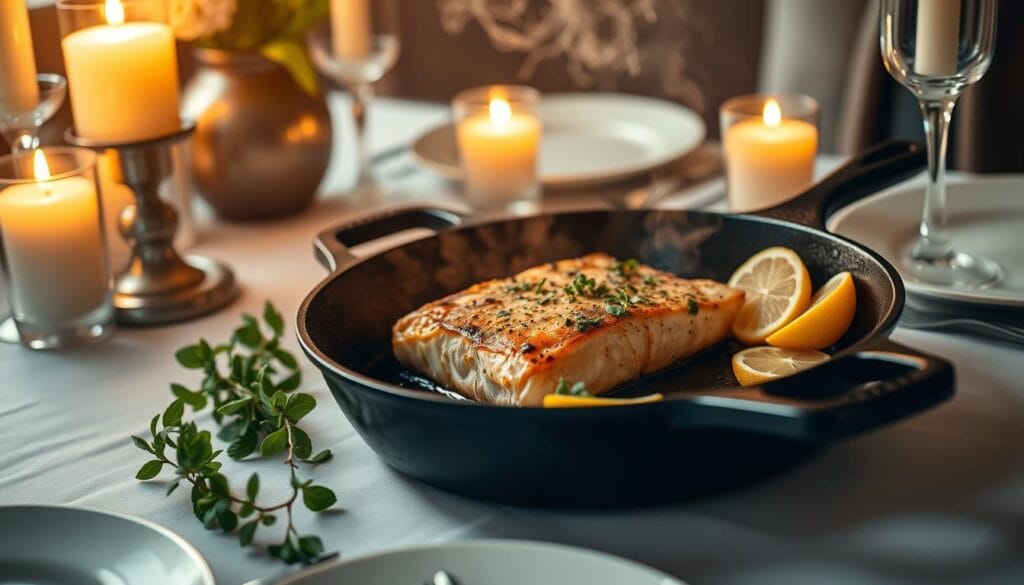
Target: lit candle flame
<point x="772" y="114"/>
<point x="114" y="12"/>
<point x="41" y="168"/>
<point x="501" y="112"/>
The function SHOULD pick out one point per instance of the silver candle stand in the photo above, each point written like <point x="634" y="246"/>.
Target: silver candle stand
<point x="158" y="286"/>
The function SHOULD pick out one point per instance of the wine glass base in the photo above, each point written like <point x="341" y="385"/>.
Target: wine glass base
<point x="8" y="330"/>
<point x="957" y="270"/>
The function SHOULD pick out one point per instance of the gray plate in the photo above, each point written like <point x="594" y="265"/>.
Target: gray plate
<point x="55" y="545"/>
<point x="986" y="216"/>
<point x="588" y="139"/>
<point x="487" y="562"/>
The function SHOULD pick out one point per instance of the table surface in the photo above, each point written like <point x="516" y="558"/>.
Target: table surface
<point x="938" y="498"/>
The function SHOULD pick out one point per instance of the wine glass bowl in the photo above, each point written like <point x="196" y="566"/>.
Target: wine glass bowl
<point x="355" y="49"/>
<point x="936" y="48"/>
<point x="20" y="126"/>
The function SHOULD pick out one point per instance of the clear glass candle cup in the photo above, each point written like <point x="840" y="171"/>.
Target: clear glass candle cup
<point x="769" y="143"/>
<point x="498" y="132"/>
<point x="54" y="257"/>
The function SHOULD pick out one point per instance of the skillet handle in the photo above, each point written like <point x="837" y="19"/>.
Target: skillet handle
<point x="868" y="172"/>
<point x="332" y="246"/>
<point x="850" y="394"/>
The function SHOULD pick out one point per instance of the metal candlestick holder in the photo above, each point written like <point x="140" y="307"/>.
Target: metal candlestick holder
<point x="159" y="286"/>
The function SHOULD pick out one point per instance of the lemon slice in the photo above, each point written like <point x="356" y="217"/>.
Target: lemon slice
<point x="756" y="365"/>
<point x="777" y="287"/>
<point x="567" y="401"/>
<point x="824" y="323"/>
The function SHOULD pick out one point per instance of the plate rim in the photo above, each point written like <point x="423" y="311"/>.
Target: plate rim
<point x="930" y="290"/>
<point x="190" y="550"/>
<point x="576" y="180"/>
<point x="488" y="543"/>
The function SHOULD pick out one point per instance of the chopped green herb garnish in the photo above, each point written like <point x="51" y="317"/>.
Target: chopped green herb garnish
<point x="546" y="299"/>
<point x="584" y="324"/>
<point x="540" y="285"/>
<point x="504" y="313"/>
<point x="615" y="308"/>
<point x="576" y="389"/>
<point x="650" y="280"/>
<point x="693" y="306"/>
<point x="625" y="268"/>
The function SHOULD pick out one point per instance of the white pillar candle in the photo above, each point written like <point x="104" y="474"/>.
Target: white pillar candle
<point x="352" y="29"/>
<point x="768" y="159"/>
<point x="18" y="88"/>
<point x="123" y="79"/>
<point x="53" y="247"/>
<point x="938" y="37"/>
<point x="499" y="152"/>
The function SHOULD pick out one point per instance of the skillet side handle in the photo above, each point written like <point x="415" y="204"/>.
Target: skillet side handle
<point x="848" y="395"/>
<point x="332" y="246"/>
<point x="868" y="172"/>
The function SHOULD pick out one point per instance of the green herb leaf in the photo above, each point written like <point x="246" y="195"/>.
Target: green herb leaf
<point x="577" y="388"/>
<point x="142" y="444"/>
<point x="291" y="382"/>
<point x="301" y="444"/>
<point x="172" y="415"/>
<point x="235" y="405"/>
<point x="252" y="487"/>
<point x="247" y="532"/>
<point x="318" y="498"/>
<point x="273" y="318"/>
<point x="219" y="485"/>
<point x="692" y="305"/>
<point x="311" y="546"/>
<point x="320" y="457"/>
<point x="150" y="470"/>
<point x="285" y="551"/>
<point x="274" y="443"/>
<point x="190" y="357"/>
<point x="298" y="406"/>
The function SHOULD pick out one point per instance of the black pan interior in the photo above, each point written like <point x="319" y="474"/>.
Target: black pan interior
<point x="349" y="317"/>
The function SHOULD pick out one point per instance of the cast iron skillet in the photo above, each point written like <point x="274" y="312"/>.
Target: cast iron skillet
<point x="708" y="435"/>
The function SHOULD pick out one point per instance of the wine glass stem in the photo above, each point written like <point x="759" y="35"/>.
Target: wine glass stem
<point x="362" y="94"/>
<point x="22" y="140"/>
<point x="934" y="243"/>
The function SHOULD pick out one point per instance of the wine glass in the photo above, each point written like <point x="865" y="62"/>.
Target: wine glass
<point x="355" y="49"/>
<point x="936" y="48"/>
<point x="19" y="125"/>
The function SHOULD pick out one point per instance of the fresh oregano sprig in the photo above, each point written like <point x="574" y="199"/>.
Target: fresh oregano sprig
<point x="251" y="382"/>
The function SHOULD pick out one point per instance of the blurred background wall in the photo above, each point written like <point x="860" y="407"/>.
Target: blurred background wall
<point x="694" y="52"/>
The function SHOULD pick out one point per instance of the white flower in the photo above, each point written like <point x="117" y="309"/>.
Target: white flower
<point x="193" y="19"/>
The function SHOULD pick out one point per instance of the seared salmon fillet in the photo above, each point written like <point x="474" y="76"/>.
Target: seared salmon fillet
<point x="594" y="319"/>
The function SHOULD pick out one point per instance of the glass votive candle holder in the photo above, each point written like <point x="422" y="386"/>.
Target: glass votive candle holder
<point x="769" y="144"/>
<point x="498" y="133"/>
<point x="54" y="257"/>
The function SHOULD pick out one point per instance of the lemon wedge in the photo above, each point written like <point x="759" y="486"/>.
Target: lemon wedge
<point x="824" y="323"/>
<point x="756" y="365"/>
<point x="778" y="289"/>
<point x="567" y="401"/>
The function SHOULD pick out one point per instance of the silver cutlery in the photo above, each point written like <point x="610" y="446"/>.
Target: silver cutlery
<point x="924" y="315"/>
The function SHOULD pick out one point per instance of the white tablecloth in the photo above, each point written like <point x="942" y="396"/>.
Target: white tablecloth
<point x="938" y="498"/>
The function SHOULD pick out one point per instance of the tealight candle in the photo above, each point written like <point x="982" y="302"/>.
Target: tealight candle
<point x="769" y="152"/>
<point x="19" y="91"/>
<point x="122" y="75"/>
<point x="498" y="135"/>
<point x="54" y="255"/>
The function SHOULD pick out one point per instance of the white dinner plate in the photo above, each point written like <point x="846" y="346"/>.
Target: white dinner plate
<point x="487" y="562"/>
<point x="56" y="545"/>
<point x="588" y="139"/>
<point x="986" y="216"/>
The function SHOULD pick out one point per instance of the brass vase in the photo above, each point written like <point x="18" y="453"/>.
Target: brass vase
<point x="262" y="144"/>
